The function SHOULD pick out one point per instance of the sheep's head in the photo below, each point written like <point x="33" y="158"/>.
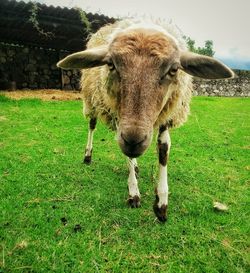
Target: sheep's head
<point x="143" y="64"/>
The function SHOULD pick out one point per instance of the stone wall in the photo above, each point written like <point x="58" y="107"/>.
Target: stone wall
<point x="34" y="68"/>
<point x="71" y="79"/>
<point x="237" y="87"/>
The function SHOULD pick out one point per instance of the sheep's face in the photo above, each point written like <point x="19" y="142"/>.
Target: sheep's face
<point x="142" y="66"/>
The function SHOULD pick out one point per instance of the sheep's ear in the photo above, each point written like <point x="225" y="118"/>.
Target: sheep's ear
<point x="85" y="59"/>
<point x="204" y="67"/>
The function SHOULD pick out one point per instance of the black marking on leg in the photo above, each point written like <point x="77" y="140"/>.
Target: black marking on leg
<point x="134" y="202"/>
<point x="163" y="147"/>
<point x="161" y="213"/>
<point x="163" y="150"/>
<point x="136" y="172"/>
<point x="92" y="123"/>
<point x="87" y="158"/>
<point x="162" y="129"/>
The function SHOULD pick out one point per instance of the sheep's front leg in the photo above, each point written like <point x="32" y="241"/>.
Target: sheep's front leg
<point x="89" y="146"/>
<point x="134" y="194"/>
<point x="161" y="201"/>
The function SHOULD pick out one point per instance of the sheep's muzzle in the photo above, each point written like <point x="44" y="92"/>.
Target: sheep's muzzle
<point x="133" y="141"/>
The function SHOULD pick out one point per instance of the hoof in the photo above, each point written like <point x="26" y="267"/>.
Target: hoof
<point x="87" y="159"/>
<point x="161" y="212"/>
<point x="134" y="202"/>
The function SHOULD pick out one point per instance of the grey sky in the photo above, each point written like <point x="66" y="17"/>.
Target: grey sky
<point x="226" y="22"/>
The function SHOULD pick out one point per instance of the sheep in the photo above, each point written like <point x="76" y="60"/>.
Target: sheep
<point x="137" y="77"/>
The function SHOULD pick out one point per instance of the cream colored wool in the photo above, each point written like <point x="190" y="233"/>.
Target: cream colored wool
<point x="101" y="102"/>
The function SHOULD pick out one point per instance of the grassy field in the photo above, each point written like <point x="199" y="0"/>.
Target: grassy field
<point x="58" y="215"/>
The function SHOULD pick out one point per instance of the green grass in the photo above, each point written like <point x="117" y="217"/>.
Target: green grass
<point x="58" y="215"/>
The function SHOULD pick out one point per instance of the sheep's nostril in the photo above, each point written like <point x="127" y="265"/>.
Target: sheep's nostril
<point x="133" y="140"/>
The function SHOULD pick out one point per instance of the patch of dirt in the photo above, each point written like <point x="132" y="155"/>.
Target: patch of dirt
<point x="43" y="94"/>
<point x="64" y="221"/>
<point x="77" y="228"/>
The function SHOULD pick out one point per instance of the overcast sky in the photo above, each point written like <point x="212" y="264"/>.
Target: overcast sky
<point x="226" y="22"/>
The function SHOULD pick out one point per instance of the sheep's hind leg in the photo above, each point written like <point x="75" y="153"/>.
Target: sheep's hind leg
<point x="89" y="147"/>
<point x="161" y="200"/>
<point x="134" y="194"/>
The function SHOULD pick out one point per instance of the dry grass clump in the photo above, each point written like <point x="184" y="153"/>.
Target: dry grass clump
<point x="43" y="94"/>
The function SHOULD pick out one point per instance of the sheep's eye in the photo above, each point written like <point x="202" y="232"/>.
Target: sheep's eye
<point x="172" y="71"/>
<point x="111" y="66"/>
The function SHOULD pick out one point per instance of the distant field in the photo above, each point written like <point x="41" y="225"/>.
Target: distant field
<point x="58" y="215"/>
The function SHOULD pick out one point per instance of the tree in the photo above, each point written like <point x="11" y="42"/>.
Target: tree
<point x="206" y="50"/>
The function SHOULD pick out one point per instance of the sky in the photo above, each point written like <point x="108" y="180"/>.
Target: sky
<point x="225" y="22"/>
